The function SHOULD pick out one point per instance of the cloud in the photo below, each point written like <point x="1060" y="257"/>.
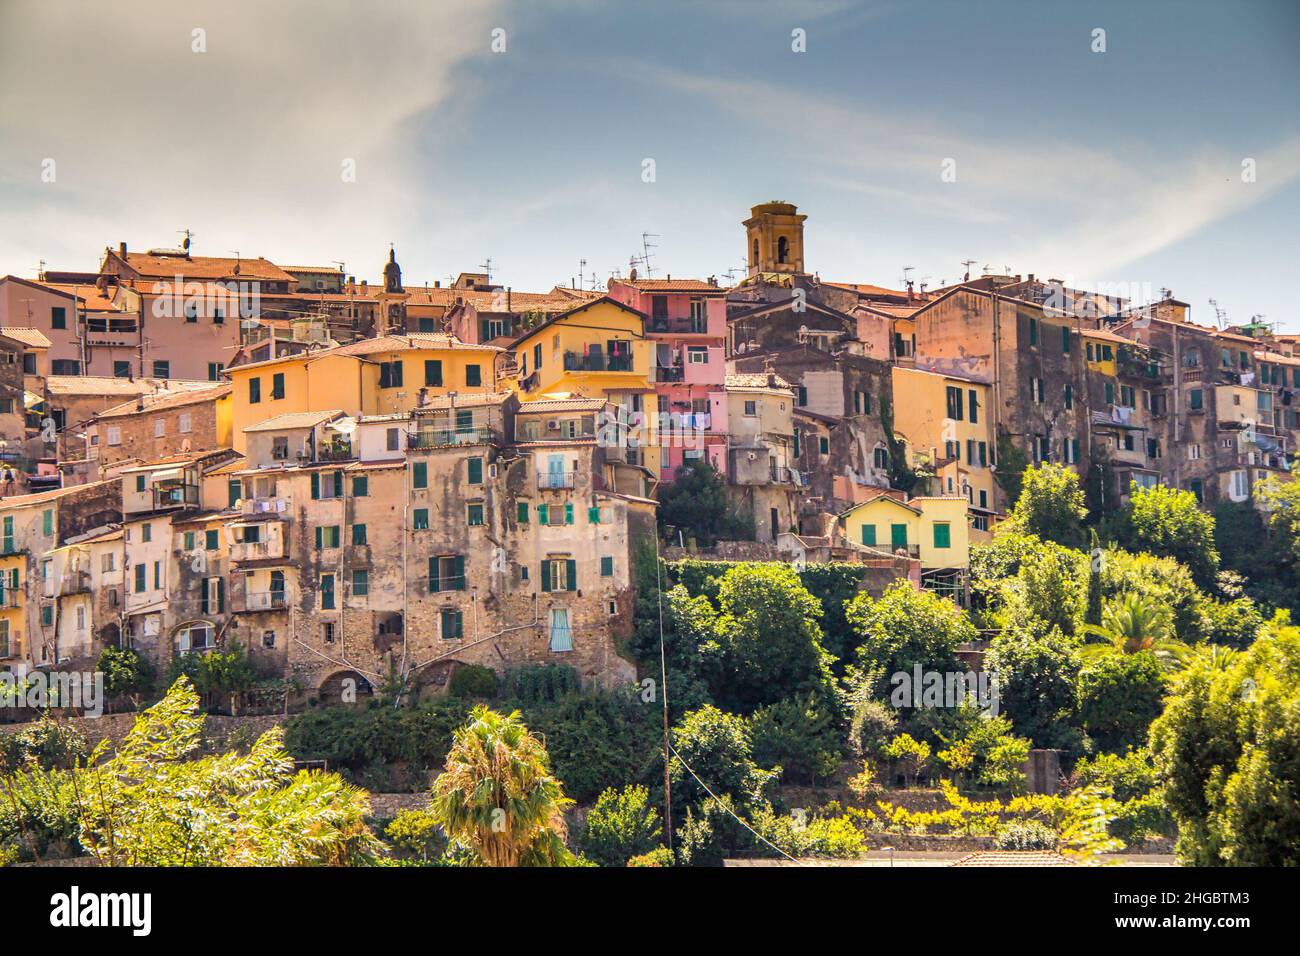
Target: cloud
<point x="242" y="143"/>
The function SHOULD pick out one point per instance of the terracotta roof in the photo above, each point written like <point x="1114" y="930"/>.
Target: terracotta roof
<point x="40" y="497"/>
<point x="562" y="405"/>
<point x="204" y="267"/>
<point x="672" y="285"/>
<point x="759" y="380"/>
<point x="34" y="338"/>
<point x="294" y="420"/>
<point x="108" y="386"/>
<point x="403" y="343"/>
<point x="868" y="290"/>
<point x="1106" y="336"/>
<point x="1014" y="858"/>
<point x="165" y="400"/>
<point x="471" y="400"/>
<point x="604" y="299"/>
<point x="316" y="270"/>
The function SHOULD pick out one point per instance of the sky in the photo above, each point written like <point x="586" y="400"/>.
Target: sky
<point x="1161" y="153"/>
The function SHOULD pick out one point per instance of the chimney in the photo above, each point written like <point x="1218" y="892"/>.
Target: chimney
<point x="909" y="290"/>
<point x="437" y="283"/>
<point x="1031" y="278"/>
<point x="121" y="249"/>
<point x="508" y="298"/>
<point x="771" y="380"/>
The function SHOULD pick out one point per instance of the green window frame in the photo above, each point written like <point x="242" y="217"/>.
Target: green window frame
<point x="593" y="515"/>
<point x="474" y="515"/>
<point x="452" y="624"/>
<point x="568" y="512"/>
<point x="254" y="390"/>
<point x="47" y="522"/>
<point x="942" y="534"/>
<point x="358" y="534"/>
<point x="420" y="519"/>
<point x="139" y="483"/>
<point x="606" y="567"/>
<point x="898" y="536"/>
<point x="327" y="592"/>
<point x="419" y="475"/>
<point x="433" y="372"/>
<point x="360" y="582"/>
<point x="277" y="386"/>
<point x="141" y="578"/>
<point x="475" y="470"/>
<point x="869" y="535"/>
<point x="360" y="486"/>
<point x="234" y="491"/>
<point x="473" y="376"/>
<point x="188" y="538"/>
<point x="521" y="512"/>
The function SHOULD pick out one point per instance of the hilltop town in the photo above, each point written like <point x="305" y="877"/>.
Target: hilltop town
<point x="352" y="479"/>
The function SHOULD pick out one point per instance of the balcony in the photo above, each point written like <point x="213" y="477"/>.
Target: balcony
<point x="11" y="598"/>
<point x="555" y="479"/>
<point x="9" y="649"/>
<point x="260" y="601"/>
<point x="597" y="362"/>
<point x="264" y="506"/>
<point x="74" y="582"/>
<point x="335" y="451"/>
<point x="668" y="374"/>
<point x="257" y="550"/>
<point x="444" y="437"/>
<point x="662" y="325"/>
<point x="170" y="495"/>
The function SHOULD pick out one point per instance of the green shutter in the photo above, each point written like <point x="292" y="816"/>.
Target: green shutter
<point x="419" y="475"/>
<point x="898" y="536"/>
<point x="869" y="535"/>
<point x="606" y="567"/>
<point x="360" y="486"/>
<point x="571" y="566"/>
<point x="47" y="523"/>
<point x="433" y="372"/>
<point x="338" y="484"/>
<point x="543" y="513"/>
<point x="358" y="534"/>
<point x="546" y="575"/>
<point x="320" y="537"/>
<point x="211" y="541"/>
<point x="315" y="484"/>
<point x="476" y="471"/>
<point x="593" y="515"/>
<point x="221" y="595"/>
<point x="434" y="583"/>
<point x="568" y="513"/>
<point x="523" y="512"/>
<point x="942" y="536"/>
<point x="459" y="584"/>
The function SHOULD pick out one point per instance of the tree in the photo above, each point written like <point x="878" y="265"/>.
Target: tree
<point x="1119" y="696"/>
<point x="1167" y="521"/>
<point x="620" y="826"/>
<point x="497" y="795"/>
<point x="905" y="628"/>
<point x="1134" y="624"/>
<point x="155" y="803"/>
<point x="1037" y="670"/>
<point x="695" y="502"/>
<point x="125" y="672"/>
<point x="800" y="734"/>
<point x="1228" y="749"/>
<point x="1009" y="470"/>
<point x="1051" y="506"/>
<point x="765" y="642"/>
<point x="718" y="747"/>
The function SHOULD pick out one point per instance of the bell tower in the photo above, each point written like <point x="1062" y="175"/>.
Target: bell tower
<point x="774" y="238"/>
<point x="392" y="301"/>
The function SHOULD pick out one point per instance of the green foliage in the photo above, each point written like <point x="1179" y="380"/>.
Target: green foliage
<point x="621" y="825"/>
<point x="125" y="672"/>
<point x="1119" y="696"/>
<point x="658" y="857"/>
<point x="1022" y="581"/>
<point x="1233" y="624"/>
<point x="824" y="835"/>
<point x="799" y="734"/>
<point x="1037" y="671"/>
<point x="498" y="797"/>
<point x="1009" y="470"/>
<point x="834" y="585"/>
<point x="415" y="835"/>
<point x="1167" y="521"/>
<point x="39" y="814"/>
<point x="598" y="740"/>
<point x="872" y="724"/>
<point x="903" y="628"/>
<point x="154" y="802"/>
<point x="717" y="746"/>
<point x="1026" y="835"/>
<point x="1263" y="552"/>
<point x="49" y="744"/>
<point x="540" y="683"/>
<point x="1228" y="748"/>
<point x="215" y="674"/>
<point x="695" y="502"/>
<point x="474" y="681"/>
<point x="910" y="755"/>
<point x="1131" y="778"/>
<point x="1050" y="506"/>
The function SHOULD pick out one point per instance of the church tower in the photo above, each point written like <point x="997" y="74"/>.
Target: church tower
<point x="774" y="238"/>
<point x="392" y="301"/>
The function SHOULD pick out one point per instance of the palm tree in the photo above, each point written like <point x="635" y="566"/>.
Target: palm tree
<point x="498" y="797"/>
<point x="1136" y="623"/>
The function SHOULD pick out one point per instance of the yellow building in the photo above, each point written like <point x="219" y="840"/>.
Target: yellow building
<point x="28" y="533"/>
<point x="936" y="530"/>
<point x="379" y="376"/>
<point x="947" y="424"/>
<point x="598" y="349"/>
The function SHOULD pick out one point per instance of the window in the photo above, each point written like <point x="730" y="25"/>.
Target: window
<point x="391" y="439"/>
<point x="433" y="372"/>
<point x="268" y="639"/>
<point x="1110" y="393"/>
<point x="420" y="475"/>
<point x="29" y="363"/>
<point x="360" y="486"/>
<point x="1033" y="331"/>
<point x="954" y="403"/>
<point x="184" y="423"/>
<point x="277" y="386"/>
<point x="474" y="515"/>
<point x="543" y="514"/>
<point x="801" y="395"/>
<point x="1069" y="395"/>
<point x="421" y="522"/>
<point x="358" y="534"/>
<point x="475" y="469"/>
<point x="47" y="522"/>
<point x="561" y="633"/>
<point x="593" y="515"/>
<point x="360" y="582"/>
<point x="473" y="376"/>
<point x="1193" y="452"/>
<point x="139" y="483"/>
<point x="121" y="369"/>
<point x="327" y="631"/>
<point x="452" y="624"/>
<point x="897" y="536"/>
<point x="880" y="457"/>
<point x="390" y="374"/>
<point x="162" y="369"/>
<point x="973" y="406"/>
<point x="58" y="317"/>
<point x="521" y="512"/>
<point x="211" y="540"/>
<point x="212" y="596"/>
<point x="327" y="536"/>
<point x="824" y="446"/>
<point x="195" y="637"/>
<point x="254" y="391"/>
<point x="1196" y="400"/>
<point x="606" y="567"/>
<point x="942" y="534"/>
<point x="447" y="573"/>
<point x="218" y="316"/>
<point x="65" y="367"/>
<point x="188" y="539"/>
<point x="697" y="355"/>
<point x="214" y="371"/>
<point x="146" y="532"/>
<point x="1036" y="390"/>
<point x="1065" y="338"/>
<point x="327" y="484"/>
<point x="234" y="492"/>
<point x="141" y="578"/>
<point x="327" y="592"/>
<point x="559" y="574"/>
<point x="568" y="513"/>
<point x="869" y="535"/>
<point x="751" y="409"/>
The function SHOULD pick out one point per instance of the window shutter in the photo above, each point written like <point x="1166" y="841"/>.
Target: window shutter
<point x="338" y="484"/>
<point x="221" y="595"/>
<point x="523" y="512"/>
<point x="459" y="584"/>
<point x="476" y="471"/>
<point x="546" y="575"/>
<point x="320" y="537"/>
<point x="434" y="584"/>
<point x="315" y="484"/>
<point x="593" y="515"/>
<point x="542" y="514"/>
<point x="203" y="602"/>
<point x="572" y="569"/>
<point x="568" y="513"/>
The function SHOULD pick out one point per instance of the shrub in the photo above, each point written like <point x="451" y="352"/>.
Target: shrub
<point x="540" y="683"/>
<point x="621" y="825"/>
<point x="660" y="856"/>
<point x="1119" y="696"/>
<point x="125" y="672"/>
<point x="475" y="681"/>
<point x="1026" y="835"/>
<point x="49" y="744"/>
<point x="871" y="727"/>
<point x="415" y="835"/>
<point x="799" y="734"/>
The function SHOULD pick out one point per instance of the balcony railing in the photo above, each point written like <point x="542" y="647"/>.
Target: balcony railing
<point x="443" y="437"/>
<point x="555" y="479"/>
<point x="670" y="373"/>
<point x="597" y="362"/>
<point x="9" y="649"/>
<point x="337" y="451"/>
<point x="11" y="597"/>
<point x="255" y="550"/>
<point x="261" y="601"/>
<point x="263" y="506"/>
<point x="74" y="582"/>
<point x="681" y="326"/>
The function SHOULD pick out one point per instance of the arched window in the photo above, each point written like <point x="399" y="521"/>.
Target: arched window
<point x="753" y="260"/>
<point x="195" y="636"/>
<point x="782" y="249"/>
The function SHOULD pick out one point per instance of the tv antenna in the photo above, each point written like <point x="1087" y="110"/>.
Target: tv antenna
<point x="907" y="274"/>
<point x="487" y="269"/>
<point x="582" y="274"/>
<point x="185" y="243"/>
<point x="967" y="263"/>
<point x="234" y="252"/>
<point x="1220" y="316"/>
<point x="646" y="246"/>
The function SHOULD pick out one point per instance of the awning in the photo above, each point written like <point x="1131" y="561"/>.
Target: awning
<point x="169" y="474"/>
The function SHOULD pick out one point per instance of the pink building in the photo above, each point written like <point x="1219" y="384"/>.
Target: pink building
<point x="688" y="329"/>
